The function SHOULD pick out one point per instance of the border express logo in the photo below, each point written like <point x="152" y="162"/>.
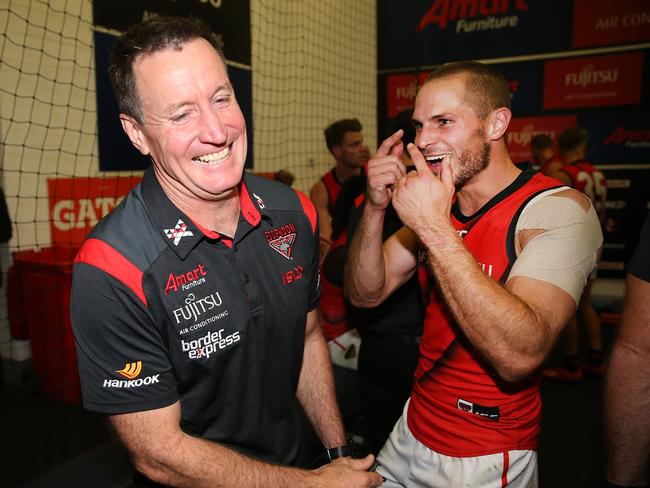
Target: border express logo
<point x="178" y="232"/>
<point x="282" y="239"/>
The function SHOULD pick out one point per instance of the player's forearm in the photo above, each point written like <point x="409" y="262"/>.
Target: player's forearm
<point x="316" y="391"/>
<point x="627" y="401"/>
<point x="194" y="462"/>
<point x="627" y="391"/>
<point x="365" y="272"/>
<point x="501" y="326"/>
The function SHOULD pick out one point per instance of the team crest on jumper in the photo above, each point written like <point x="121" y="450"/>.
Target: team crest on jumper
<point x="260" y="202"/>
<point x="282" y="239"/>
<point x="178" y="232"/>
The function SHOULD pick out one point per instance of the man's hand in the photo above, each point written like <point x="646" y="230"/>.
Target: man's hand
<point x="421" y="198"/>
<point x="346" y="472"/>
<point x="384" y="171"/>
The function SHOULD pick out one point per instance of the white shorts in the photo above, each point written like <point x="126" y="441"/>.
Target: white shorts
<point x="406" y="462"/>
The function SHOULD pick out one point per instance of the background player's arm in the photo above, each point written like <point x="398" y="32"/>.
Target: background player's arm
<point x="627" y="391"/>
<point x="164" y="453"/>
<point x="319" y="197"/>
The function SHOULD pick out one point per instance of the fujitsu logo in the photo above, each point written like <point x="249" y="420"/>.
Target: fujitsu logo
<point x="589" y="76"/>
<point x="185" y="280"/>
<point x="526" y="134"/>
<point x="442" y="11"/>
<point x="407" y="92"/>
<point x="195" y="308"/>
<point x="282" y="239"/>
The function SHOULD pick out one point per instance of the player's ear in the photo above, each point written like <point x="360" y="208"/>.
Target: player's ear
<point x="497" y="123"/>
<point x="134" y="131"/>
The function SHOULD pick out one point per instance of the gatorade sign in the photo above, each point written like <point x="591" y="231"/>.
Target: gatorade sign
<point x="77" y="204"/>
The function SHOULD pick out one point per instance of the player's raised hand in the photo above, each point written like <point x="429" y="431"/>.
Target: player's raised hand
<point x="422" y="197"/>
<point x="384" y="171"/>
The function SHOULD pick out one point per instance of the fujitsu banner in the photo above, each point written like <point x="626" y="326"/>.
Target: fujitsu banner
<point x="610" y="22"/>
<point x="401" y="91"/>
<point x="522" y="129"/>
<point x="522" y="78"/>
<point x="77" y="204"/>
<point x="417" y="33"/>
<point x="593" y="81"/>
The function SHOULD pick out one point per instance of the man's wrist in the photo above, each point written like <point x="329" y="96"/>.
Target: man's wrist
<point x="344" y="450"/>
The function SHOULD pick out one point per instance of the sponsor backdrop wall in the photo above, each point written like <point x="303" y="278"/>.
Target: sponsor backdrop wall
<point x="64" y="161"/>
<point x="580" y="62"/>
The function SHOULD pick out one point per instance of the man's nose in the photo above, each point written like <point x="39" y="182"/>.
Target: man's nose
<point x="212" y="129"/>
<point x="427" y="136"/>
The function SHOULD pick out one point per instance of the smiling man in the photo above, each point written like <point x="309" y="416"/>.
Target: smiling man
<point x="509" y="252"/>
<point x="193" y="302"/>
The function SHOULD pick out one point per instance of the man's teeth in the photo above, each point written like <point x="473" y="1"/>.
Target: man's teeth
<point x="434" y="159"/>
<point x="211" y="158"/>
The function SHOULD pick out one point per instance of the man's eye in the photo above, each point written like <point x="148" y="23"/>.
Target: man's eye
<point x="180" y="117"/>
<point x="222" y="100"/>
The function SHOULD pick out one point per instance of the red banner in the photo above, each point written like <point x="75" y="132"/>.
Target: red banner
<point x="77" y="204"/>
<point x="401" y="91"/>
<point x="608" y="22"/>
<point x="593" y="81"/>
<point x="522" y="130"/>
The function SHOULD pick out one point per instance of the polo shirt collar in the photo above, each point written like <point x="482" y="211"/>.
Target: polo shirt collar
<point x="177" y="229"/>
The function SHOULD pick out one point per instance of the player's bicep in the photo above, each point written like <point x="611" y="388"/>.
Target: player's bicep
<point x="551" y="304"/>
<point x="561" y="236"/>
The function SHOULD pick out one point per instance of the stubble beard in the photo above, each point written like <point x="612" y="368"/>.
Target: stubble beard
<point x="472" y="161"/>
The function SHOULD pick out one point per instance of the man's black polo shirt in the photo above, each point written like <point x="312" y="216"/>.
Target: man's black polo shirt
<point x="163" y="310"/>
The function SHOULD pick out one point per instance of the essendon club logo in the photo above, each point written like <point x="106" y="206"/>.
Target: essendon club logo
<point x="131" y="370"/>
<point x="178" y="232"/>
<point x="282" y="239"/>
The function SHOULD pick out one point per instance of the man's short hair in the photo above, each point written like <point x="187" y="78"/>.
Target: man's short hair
<point x="144" y="38"/>
<point x="335" y="132"/>
<point x="404" y="121"/>
<point x="540" y="142"/>
<point x="486" y="89"/>
<point x="571" y="138"/>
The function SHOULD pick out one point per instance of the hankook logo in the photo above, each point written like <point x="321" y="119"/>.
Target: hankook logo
<point x="131" y="370"/>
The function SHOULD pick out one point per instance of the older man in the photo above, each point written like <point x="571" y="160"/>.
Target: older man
<point x="193" y="301"/>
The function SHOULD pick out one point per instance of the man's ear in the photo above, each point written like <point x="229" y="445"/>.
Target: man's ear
<point x="498" y="121"/>
<point x="134" y="131"/>
<point x="336" y="151"/>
